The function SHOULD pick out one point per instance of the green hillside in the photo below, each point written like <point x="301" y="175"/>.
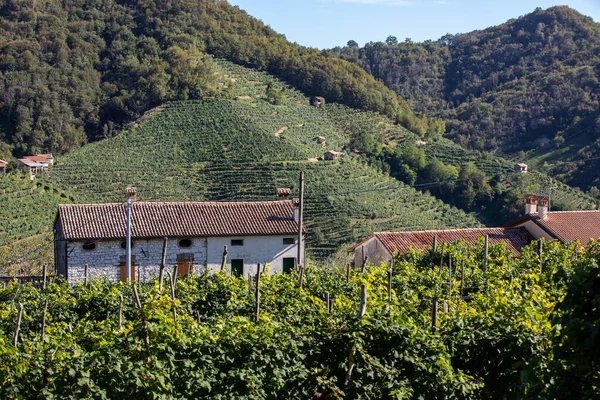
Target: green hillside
<point x="243" y="149"/>
<point x="530" y="84"/>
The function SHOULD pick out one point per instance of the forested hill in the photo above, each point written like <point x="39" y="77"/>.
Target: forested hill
<point x="512" y="87"/>
<point x="76" y="71"/>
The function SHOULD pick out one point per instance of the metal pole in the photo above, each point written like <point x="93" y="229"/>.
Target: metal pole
<point x="300" y="209"/>
<point x="128" y="241"/>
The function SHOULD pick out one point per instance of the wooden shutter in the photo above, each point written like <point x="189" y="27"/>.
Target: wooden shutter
<point x="185" y="263"/>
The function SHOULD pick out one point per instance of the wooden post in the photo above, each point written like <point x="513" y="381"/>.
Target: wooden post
<point x="224" y="262"/>
<point x="120" y="311"/>
<point x="462" y="279"/>
<point x="364" y="265"/>
<point x="389" y="287"/>
<point x="257" y="294"/>
<point x="137" y="296"/>
<point x="44" y="276"/>
<point x="172" y="285"/>
<point x="18" y="327"/>
<point x="445" y="306"/>
<point x="450" y="278"/>
<point x="327" y="302"/>
<point x="174" y="274"/>
<point x="163" y="265"/>
<point x="348" y="273"/>
<point x="44" y="320"/>
<point x="485" y="253"/>
<point x="198" y="316"/>
<point x="540" y="254"/>
<point x="301" y="278"/>
<point x="433" y="249"/>
<point x="85" y="273"/>
<point x="142" y="316"/>
<point x="363" y="302"/>
<point x="442" y="259"/>
<point x="330" y="305"/>
<point x="434" y="313"/>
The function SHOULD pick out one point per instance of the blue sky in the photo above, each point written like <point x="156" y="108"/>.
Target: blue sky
<point x="329" y="23"/>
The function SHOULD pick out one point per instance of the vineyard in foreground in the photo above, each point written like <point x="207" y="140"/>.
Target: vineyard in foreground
<point x="530" y="331"/>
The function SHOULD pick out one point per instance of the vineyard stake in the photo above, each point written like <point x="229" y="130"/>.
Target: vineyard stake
<point x="172" y="285"/>
<point x="364" y="265"/>
<point x="257" y="294"/>
<point x="120" y="311"/>
<point x="224" y="262"/>
<point x="44" y="276"/>
<point x="442" y="259"/>
<point x="389" y="285"/>
<point x="44" y="320"/>
<point x="348" y="273"/>
<point x="540" y="253"/>
<point x="198" y="316"/>
<point x="163" y="265"/>
<point x="18" y="327"/>
<point x="450" y="278"/>
<point x="142" y="316"/>
<point x="433" y="249"/>
<point x="363" y="302"/>
<point x="445" y="306"/>
<point x="85" y="275"/>
<point x="327" y="301"/>
<point x="462" y="279"/>
<point x="485" y="253"/>
<point x="301" y="276"/>
<point x="300" y="218"/>
<point x="330" y="305"/>
<point x="175" y="273"/>
<point x="434" y="313"/>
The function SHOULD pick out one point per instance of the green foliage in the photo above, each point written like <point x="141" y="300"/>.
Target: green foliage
<point x="275" y="96"/>
<point x="501" y="344"/>
<point x="78" y="71"/>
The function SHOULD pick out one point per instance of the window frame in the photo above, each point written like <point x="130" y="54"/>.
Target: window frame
<point x="237" y="242"/>
<point x="293" y="241"/>
<point x="185" y="240"/>
<point x="86" y="246"/>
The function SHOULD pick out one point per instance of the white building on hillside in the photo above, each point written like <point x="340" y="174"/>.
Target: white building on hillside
<point x="264" y="232"/>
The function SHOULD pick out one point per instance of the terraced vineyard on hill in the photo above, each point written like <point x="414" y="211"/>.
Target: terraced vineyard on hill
<point x="243" y="149"/>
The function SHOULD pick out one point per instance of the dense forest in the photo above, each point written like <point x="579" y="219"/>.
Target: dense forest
<point x="77" y="71"/>
<point x="521" y="85"/>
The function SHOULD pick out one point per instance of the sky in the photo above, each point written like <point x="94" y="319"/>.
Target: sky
<point x="330" y="23"/>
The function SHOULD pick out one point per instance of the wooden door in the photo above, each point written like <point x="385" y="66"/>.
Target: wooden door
<point x="123" y="268"/>
<point x="288" y="265"/>
<point x="237" y="267"/>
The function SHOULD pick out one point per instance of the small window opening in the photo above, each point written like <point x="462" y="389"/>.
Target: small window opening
<point x="185" y="243"/>
<point x="289" y="240"/>
<point x="237" y="242"/>
<point x="124" y="244"/>
<point x="89" y="246"/>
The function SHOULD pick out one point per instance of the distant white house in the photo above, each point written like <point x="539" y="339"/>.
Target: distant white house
<point x="521" y="167"/>
<point x="36" y="163"/>
<point x="254" y="232"/>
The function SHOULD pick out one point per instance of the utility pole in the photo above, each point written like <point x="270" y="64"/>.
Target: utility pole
<point x="131" y="193"/>
<point x="300" y="209"/>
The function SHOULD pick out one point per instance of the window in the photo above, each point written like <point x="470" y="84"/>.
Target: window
<point x="289" y="240"/>
<point x="237" y="242"/>
<point x="185" y="243"/>
<point x="124" y="244"/>
<point x="89" y="246"/>
<point x="237" y="267"/>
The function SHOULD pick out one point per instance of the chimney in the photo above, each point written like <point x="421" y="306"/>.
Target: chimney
<point x="283" y="193"/>
<point x="543" y="208"/>
<point x="296" y="205"/>
<point x="531" y="204"/>
<point x="131" y="193"/>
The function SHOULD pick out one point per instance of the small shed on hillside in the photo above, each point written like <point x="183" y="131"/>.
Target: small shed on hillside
<point x="3" y="165"/>
<point x="332" y="155"/>
<point x="317" y="101"/>
<point x="521" y="167"/>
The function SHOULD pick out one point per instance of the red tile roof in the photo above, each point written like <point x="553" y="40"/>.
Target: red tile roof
<point x="515" y="238"/>
<point x="571" y="225"/>
<point x="188" y="219"/>
<point x="38" y="158"/>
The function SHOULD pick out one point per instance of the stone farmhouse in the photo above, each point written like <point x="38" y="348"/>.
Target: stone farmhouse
<point x="538" y="223"/>
<point x="262" y="232"/>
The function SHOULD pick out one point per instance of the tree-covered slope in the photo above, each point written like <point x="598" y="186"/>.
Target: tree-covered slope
<point x="515" y="86"/>
<point x="76" y="71"/>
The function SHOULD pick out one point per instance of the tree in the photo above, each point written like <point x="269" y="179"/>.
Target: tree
<point x="274" y="95"/>
<point x="391" y="41"/>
